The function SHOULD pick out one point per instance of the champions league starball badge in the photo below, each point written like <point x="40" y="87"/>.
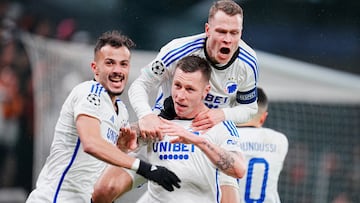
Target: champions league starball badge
<point x="94" y="99"/>
<point x="158" y="68"/>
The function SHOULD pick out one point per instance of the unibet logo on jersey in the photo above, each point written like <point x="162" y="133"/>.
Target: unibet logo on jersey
<point x="175" y="151"/>
<point x="214" y="102"/>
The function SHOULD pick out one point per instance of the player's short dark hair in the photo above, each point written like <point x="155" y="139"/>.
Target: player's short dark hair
<point x="113" y="38"/>
<point x="190" y="64"/>
<point x="229" y="7"/>
<point x="262" y="99"/>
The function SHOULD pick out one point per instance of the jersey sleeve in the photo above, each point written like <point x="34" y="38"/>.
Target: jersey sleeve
<point x="240" y="113"/>
<point x="151" y="77"/>
<point x="225" y="135"/>
<point x="86" y="100"/>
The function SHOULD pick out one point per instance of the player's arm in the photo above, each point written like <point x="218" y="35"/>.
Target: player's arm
<point x="90" y="136"/>
<point x="242" y="111"/>
<point x="245" y="107"/>
<point x="208" y="119"/>
<point x="140" y="89"/>
<point x="231" y="163"/>
<point x="139" y="99"/>
<point x="229" y="194"/>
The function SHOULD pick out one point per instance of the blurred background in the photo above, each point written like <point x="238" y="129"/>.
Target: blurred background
<point x="322" y="33"/>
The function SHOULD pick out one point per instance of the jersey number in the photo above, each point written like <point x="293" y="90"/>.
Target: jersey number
<point x="249" y="179"/>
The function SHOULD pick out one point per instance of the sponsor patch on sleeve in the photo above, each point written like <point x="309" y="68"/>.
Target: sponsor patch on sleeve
<point x="157" y="67"/>
<point x="246" y="97"/>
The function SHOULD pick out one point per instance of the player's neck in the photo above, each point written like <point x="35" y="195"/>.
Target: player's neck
<point x="201" y="109"/>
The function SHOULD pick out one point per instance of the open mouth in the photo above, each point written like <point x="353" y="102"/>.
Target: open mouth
<point x="225" y="50"/>
<point x="116" y="78"/>
<point x="180" y="105"/>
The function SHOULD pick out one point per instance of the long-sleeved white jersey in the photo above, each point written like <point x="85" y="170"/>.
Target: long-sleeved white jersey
<point x="233" y="85"/>
<point x="198" y="175"/>
<point x="264" y="150"/>
<point x="69" y="173"/>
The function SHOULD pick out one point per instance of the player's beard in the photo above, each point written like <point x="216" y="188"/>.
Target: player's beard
<point x="114" y="94"/>
<point x="122" y="80"/>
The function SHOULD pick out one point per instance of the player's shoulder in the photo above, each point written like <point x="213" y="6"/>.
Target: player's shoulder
<point x="246" y="49"/>
<point x="89" y="87"/>
<point x="227" y="126"/>
<point x="275" y="134"/>
<point x="181" y="41"/>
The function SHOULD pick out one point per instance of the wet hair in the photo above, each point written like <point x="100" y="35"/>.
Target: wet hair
<point x="190" y="64"/>
<point x="113" y="38"/>
<point x="229" y="7"/>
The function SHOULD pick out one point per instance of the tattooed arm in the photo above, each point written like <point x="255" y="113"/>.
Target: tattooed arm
<point x="229" y="162"/>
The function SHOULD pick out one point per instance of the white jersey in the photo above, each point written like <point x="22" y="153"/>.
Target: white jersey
<point x="69" y="173"/>
<point x="198" y="175"/>
<point x="265" y="151"/>
<point x="232" y="85"/>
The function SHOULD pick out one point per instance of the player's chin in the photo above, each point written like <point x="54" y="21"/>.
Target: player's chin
<point x="223" y="58"/>
<point x="116" y="91"/>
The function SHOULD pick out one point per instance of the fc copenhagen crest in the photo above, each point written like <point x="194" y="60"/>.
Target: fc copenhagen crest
<point x="230" y="87"/>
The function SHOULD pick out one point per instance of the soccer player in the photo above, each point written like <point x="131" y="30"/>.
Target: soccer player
<point x="203" y="154"/>
<point x="265" y="151"/>
<point x="233" y="65"/>
<point x="200" y="156"/>
<point x="88" y="128"/>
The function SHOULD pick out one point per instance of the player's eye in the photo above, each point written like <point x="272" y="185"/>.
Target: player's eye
<point x="124" y="64"/>
<point x="109" y="62"/>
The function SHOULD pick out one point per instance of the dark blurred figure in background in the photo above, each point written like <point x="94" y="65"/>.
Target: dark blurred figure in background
<point x="16" y="103"/>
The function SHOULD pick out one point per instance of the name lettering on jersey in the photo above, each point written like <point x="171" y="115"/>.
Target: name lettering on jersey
<point x="255" y="146"/>
<point x="112" y="136"/>
<point x="246" y="97"/>
<point x="214" y="102"/>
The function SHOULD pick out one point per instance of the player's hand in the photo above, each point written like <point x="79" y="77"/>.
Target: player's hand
<point x="161" y="175"/>
<point x="207" y="119"/>
<point x="127" y="140"/>
<point x="179" y="132"/>
<point x="149" y="127"/>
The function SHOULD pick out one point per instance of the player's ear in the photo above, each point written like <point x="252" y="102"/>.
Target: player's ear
<point x="94" y="68"/>
<point x="207" y="90"/>
<point x="207" y="29"/>
<point x="263" y="118"/>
